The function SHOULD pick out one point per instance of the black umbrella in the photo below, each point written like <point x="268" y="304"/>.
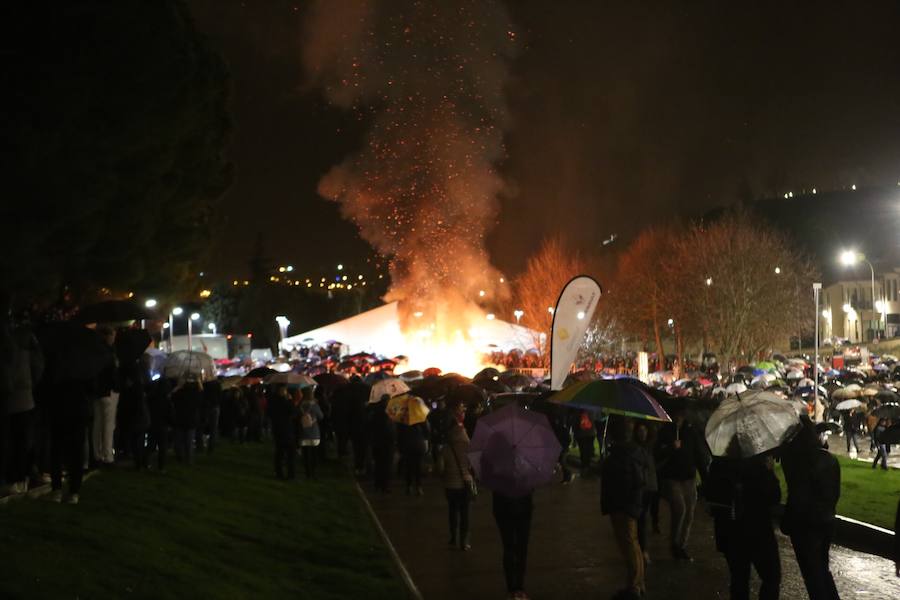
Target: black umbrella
<point x="887" y="397"/>
<point x="131" y="343"/>
<point x="329" y="382"/>
<point x="828" y="426"/>
<point x="891" y="435"/>
<point x="261" y="372"/>
<point x="492" y="386"/>
<point x="112" y="311"/>
<point x="489" y="373"/>
<point x="887" y="411"/>
<point x="468" y="394"/>
<point x="72" y="351"/>
<point x="523" y="399"/>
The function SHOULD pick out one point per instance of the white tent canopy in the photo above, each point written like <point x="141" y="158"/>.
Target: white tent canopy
<point x="378" y="331"/>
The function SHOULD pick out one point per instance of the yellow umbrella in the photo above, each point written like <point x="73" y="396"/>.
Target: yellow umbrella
<point x="407" y="410"/>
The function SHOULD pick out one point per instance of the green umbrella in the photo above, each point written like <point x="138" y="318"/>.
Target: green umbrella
<point x="767" y="365"/>
<point x="626" y="397"/>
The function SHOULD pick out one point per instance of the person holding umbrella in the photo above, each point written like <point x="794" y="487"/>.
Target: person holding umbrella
<point x="680" y="456"/>
<point x="621" y="497"/>
<point x="514" y="451"/>
<point x="813" y="478"/>
<point x="282" y="411"/>
<point x="458" y="481"/>
<point x="882" y="448"/>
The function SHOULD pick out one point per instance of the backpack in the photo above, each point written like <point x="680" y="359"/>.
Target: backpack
<point x="585" y="423"/>
<point x="307" y="419"/>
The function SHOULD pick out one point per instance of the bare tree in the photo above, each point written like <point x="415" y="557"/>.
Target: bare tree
<point x="537" y="289"/>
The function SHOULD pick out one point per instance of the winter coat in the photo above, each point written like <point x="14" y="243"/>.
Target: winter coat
<point x="813" y="480"/>
<point x="651" y="483"/>
<point x="413" y="438"/>
<point x="27" y="368"/>
<point x="212" y="395"/>
<point x="680" y="464"/>
<point x="311" y="408"/>
<point x="622" y="480"/>
<point x="187" y="402"/>
<point x="742" y="496"/>
<point x="283" y="413"/>
<point x="132" y="412"/>
<point x="456" y="459"/>
<point x="382" y="432"/>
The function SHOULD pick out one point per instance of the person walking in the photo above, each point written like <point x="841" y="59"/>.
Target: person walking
<point x="621" y="497"/>
<point x="585" y="436"/>
<point x="458" y="481"/>
<point x="851" y="428"/>
<point x="310" y="433"/>
<point x="106" y="406"/>
<point x="882" y="449"/>
<point x="742" y="496"/>
<point x="680" y="456"/>
<point x="383" y="438"/>
<point x="414" y="446"/>
<point x="645" y="439"/>
<point x="282" y="414"/>
<point x="212" y="405"/>
<point x="513" y="518"/>
<point x="813" y="478"/>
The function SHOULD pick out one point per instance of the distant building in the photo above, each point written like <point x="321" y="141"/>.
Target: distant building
<point x="848" y="311"/>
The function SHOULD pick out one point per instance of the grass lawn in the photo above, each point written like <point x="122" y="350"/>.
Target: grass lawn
<point x="867" y="494"/>
<point x="224" y="528"/>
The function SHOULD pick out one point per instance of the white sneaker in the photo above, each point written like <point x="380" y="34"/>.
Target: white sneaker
<point x="72" y="499"/>
<point x="55" y="496"/>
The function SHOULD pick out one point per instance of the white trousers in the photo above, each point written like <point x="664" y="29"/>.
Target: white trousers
<point x="104" y="427"/>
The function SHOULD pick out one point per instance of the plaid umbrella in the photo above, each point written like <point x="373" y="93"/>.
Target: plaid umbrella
<point x="514" y="450"/>
<point x="626" y="397"/>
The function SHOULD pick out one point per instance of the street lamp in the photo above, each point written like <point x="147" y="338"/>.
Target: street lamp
<point x="212" y="327"/>
<point x="175" y="313"/>
<point x="150" y="303"/>
<point x="283" y="323"/>
<point x="518" y="315"/>
<point x="850" y="258"/>
<point x="194" y="317"/>
<point x="817" y="287"/>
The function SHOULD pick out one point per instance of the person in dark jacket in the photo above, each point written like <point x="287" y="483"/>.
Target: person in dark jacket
<point x="212" y="408"/>
<point x="28" y="367"/>
<point x="159" y="403"/>
<point x="356" y="395"/>
<point x="851" y="422"/>
<point x="440" y="420"/>
<point x="813" y="478"/>
<point x="133" y="415"/>
<point x="742" y="495"/>
<point x="680" y="456"/>
<point x="585" y="436"/>
<point x="621" y="497"/>
<point x="881" y="455"/>
<point x="383" y="438"/>
<point x="187" y="398"/>
<point x="105" y="407"/>
<point x="282" y="414"/>
<point x="413" y="447"/>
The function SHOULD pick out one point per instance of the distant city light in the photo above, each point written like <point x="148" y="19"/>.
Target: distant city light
<point x="290" y="268"/>
<point x="340" y="267"/>
<point x="778" y="270"/>
<point x="481" y="293"/>
<point x="205" y="293"/>
<point x="814" y="190"/>
<point x="709" y="281"/>
<point x="853" y="187"/>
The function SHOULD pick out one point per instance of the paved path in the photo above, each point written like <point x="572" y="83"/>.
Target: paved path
<point x="572" y="554"/>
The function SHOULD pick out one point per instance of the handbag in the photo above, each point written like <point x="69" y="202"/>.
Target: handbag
<point x="471" y="486"/>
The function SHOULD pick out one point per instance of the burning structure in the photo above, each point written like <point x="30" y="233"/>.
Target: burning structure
<point x="427" y="78"/>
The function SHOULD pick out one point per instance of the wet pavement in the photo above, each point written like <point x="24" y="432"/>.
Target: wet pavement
<point x="572" y="553"/>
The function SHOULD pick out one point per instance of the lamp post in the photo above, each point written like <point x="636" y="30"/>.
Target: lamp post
<point x="817" y="287"/>
<point x="212" y="328"/>
<point x="283" y="323"/>
<point x="518" y="315"/>
<point x="194" y="317"/>
<point x="176" y="312"/>
<point x="850" y="258"/>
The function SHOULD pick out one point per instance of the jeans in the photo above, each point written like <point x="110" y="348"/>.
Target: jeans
<point x="285" y="453"/>
<point x="458" y="512"/>
<point x="881" y="456"/>
<point x="682" y="497"/>
<point x="21" y="445"/>
<point x="212" y="428"/>
<point x="159" y="438"/>
<point x="851" y="440"/>
<point x="104" y="427"/>
<point x="757" y="547"/>
<point x="811" y="546"/>
<point x="67" y="449"/>
<point x="184" y="445"/>
<point x="625" y="530"/>
<point x="413" y="465"/>
<point x="513" y="518"/>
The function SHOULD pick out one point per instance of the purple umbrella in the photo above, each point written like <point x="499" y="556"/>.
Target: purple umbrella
<point x="514" y="450"/>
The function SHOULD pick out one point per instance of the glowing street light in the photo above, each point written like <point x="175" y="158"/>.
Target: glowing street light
<point x="283" y="324"/>
<point x="580" y="315"/>
<point x="850" y="258"/>
<point x="490" y="316"/>
<point x="177" y="311"/>
<point x="340" y="267"/>
<point x="778" y="270"/>
<point x="709" y="281"/>
<point x="193" y="317"/>
<point x="150" y="303"/>
<point x="212" y="328"/>
<point x="518" y="314"/>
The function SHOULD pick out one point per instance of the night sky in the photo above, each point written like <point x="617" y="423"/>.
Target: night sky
<point x="621" y="116"/>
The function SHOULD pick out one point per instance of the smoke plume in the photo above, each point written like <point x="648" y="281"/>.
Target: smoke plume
<point x="429" y="79"/>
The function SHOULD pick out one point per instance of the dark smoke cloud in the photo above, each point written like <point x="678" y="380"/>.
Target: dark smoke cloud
<point x="429" y="78"/>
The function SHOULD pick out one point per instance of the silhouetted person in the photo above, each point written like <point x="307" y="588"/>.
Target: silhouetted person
<point x="813" y="478"/>
<point x="282" y="413"/>
<point x="383" y="438"/>
<point x="742" y="495"/>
